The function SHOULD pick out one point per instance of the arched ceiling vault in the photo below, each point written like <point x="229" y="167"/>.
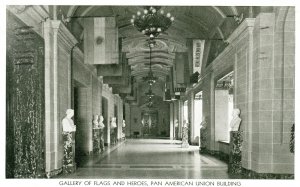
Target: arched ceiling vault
<point x="191" y="22"/>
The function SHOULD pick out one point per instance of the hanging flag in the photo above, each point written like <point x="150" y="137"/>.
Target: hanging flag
<point x="198" y="48"/>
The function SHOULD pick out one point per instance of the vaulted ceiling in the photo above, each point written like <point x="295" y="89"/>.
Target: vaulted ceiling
<point x="210" y="23"/>
<point x="191" y="22"/>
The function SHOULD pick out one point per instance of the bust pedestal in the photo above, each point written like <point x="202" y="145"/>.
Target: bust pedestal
<point x="101" y="137"/>
<point x="185" y="143"/>
<point x="235" y="154"/>
<point x="96" y="140"/>
<point x="113" y="136"/>
<point x="69" y="165"/>
<point x="203" y="139"/>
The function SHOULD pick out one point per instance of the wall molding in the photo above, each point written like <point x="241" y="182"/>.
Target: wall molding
<point x="31" y="15"/>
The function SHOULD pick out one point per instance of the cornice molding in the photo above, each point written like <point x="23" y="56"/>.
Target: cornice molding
<point x="248" y="22"/>
<point x="64" y="35"/>
<point x="31" y="15"/>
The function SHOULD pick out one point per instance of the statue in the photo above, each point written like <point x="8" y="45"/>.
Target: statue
<point x="176" y="123"/>
<point x="113" y="132"/>
<point x="203" y="124"/>
<point x="69" y="129"/>
<point x="123" y="124"/>
<point x="235" y="144"/>
<point x="203" y="134"/>
<point x="96" y="124"/>
<point x="101" y="127"/>
<point x="113" y="123"/>
<point x="67" y="122"/>
<point x="101" y="124"/>
<point x="123" y="129"/>
<point x="236" y="120"/>
<point x="96" y="135"/>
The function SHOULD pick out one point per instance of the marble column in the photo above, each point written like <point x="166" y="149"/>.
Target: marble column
<point x="58" y="43"/>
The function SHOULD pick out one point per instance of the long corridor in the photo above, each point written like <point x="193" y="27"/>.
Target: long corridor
<point x="153" y="159"/>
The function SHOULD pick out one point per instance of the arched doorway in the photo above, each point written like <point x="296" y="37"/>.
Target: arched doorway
<point x="150" y="123"/>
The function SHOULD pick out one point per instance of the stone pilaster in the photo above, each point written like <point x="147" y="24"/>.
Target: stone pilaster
<point x="58" y="44"/>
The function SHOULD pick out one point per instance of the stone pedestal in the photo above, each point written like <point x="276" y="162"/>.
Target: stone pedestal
<point x="96" y="141"/>
<point x="113" y="136"/>
<point x="203" y="139"/>
<point x="123" y="133"/>
<point x="69" y="165"/>
<point x="176" y="133"/>
<point x="235" y="154"/>
<point x="185" y="137"/>
<point x="101" y="135"/>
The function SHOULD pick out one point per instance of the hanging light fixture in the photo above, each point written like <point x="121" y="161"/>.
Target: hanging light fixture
<point x="150" y="78"/>
<point x="149" y="94"/>
<point x="152" y="21"/>
<point x="150" y="103"/>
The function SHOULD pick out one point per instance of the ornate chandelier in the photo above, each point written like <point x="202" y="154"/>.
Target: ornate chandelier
<point x="152" y="21"/>
<point x="150" y="103"/>
<point x="150" y="96"/>
<point x="150" y="77"/>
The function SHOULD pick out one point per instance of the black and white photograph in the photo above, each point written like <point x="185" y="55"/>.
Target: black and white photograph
<point x="149" y="94"/>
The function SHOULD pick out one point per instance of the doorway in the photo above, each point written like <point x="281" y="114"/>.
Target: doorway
<point x="79" y="133"/>
<point x="150" y="124"/>
<point x="198" y="118"/>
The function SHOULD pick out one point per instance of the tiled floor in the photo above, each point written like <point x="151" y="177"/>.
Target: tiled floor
<point x="153" y="159"/>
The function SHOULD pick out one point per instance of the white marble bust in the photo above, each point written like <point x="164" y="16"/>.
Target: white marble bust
<point x="96" y="124"/>
<point x="67" y="122"/>
<point x="185" y="123"/>
<point x="203" y="123"/>
<point x="113" y="123"/>
<point x="176" y="122"/>
<point x="101" y="124"/>
<point x="236" y="120"/>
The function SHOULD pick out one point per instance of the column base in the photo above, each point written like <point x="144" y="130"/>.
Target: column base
<point x="68" y="169"/>
<point x="185" y="145"/>
<point x="218" y="154"/>
<point x="53" y="173"/>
